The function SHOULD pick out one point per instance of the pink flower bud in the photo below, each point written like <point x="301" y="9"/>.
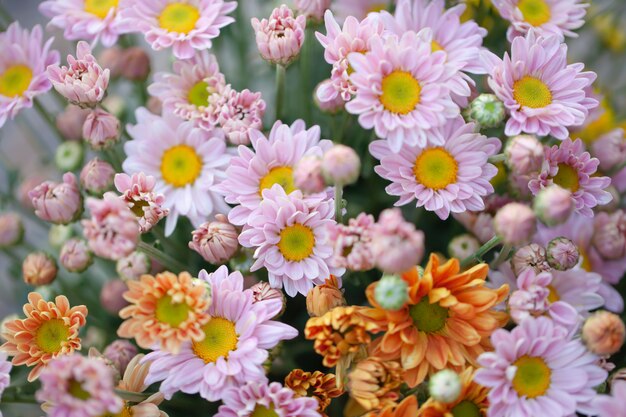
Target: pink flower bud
<point x="610" y="149"/>
<point x="531" y="256"/>
<point x="562" y="254"/>
<point x="111" y="296"/>
<point x="332" y="106"/>
<point x="241" y="113"/>
<point x="352" y="243"/>
<point x="57" y="203"/>
<point x="313" y="9"/>
<point x="135" y="64"/>
<point x="83" y="82"/>
<point x="120" y="353"/>
<point x="307" y="175"/>
<point x="111" y="59"/>
<point x="515" y="223"/>
<point x="553" y="205"/>
<point x="70" y="122"/>
<point x="11" y="229"/>
<point x="215" y="241"/>
<point x="101" y="129"/>
<point x="39" y="268"/>
<point x="280" y="37"/>
<point x="396" y="245"/>
<point x="75" y="255"/>
<point x="97" y="176"/>
<point x="133" y="266"/>
<point x="138" y="192"/>
<point x="524" y="154"/>
<point x="609" y="236"/>
<point x="262" y="291"/>
<point x="341" y="165"/>
<point x="603" y="333"/>
<point x="463" y="246"/>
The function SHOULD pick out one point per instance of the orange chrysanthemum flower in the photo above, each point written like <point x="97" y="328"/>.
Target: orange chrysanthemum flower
<point x="318" y="385"/>
<point x="49" y="330"/>
<point x="407" y="408"/>
<point x="472" y="400"/>
<point x="165" y="309"/>
<point x="446" y="321"/>
<point x="373" y="382"/>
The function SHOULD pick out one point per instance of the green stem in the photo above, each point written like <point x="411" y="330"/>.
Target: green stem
<point x="48" y="118"/>
<point x="502" y="256"/>
<point x="305" y="71"/>
<point x="280" y="89"/>
<point x="477" y="257"/>
<point x="497" y="158"/>
<point x="166" y="260"/>
<point x="19" y="394"/>
<point x="242" y="44"/>
<point x="339" y="203"/>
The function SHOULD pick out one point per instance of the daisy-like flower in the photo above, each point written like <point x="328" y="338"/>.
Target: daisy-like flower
<point x="165" y="310"/>
<point x="450" y="173"/>
<point x="542" y="93"/>
<point x="257" y="399"/>
<point x="401" y="88"/>
<point x="138" y="192"/>
<point x="359" y="9"/>
<point x="445" y="322"/>
<point x="76" y="386"/>
<point x="134" y="380"/>
<point x="352" y="243"/>
<point x="290" y="235"/>
<point x="186" y="26"/>
<point x="538" y="369"/>
<point x="270" y="161"/>
<point x="570" y="167"/>
<point x="89" y="20"/>
<point x="23" y="64"/>
<point x="186" y="162"/>
<point x="241" y="113"/>
<point x="546" y="17"/>
<point x="235" y="345"/>
<point x="193" y="90"/>
<point x="318" y="385"/>
<point x="49" y="330"/>
<point x="5" y="374"/>
<point x="472" y="401"/>
<point x="338" y="43"/>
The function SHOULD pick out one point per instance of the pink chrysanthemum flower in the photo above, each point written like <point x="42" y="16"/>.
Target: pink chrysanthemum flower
<point x="186" y="162"/>
<point x="263" y="399"/>
<point x="546" y="17"/>
<point x="89" y="20"/>
<point x="234" y="349"/>
<point x="401" y="89"/>
<point x="138" y="192"/>
<point x="313" y="9"/>
<point x="5" y="373"/>
<point x="359" y="9"/>
<point x="23" y="62"/>
<point x="450" y="173"/>
<point x="351" y="243"/>
<point x="280" y="37"/>
<point x="611" y="405"/>
<point x="59" y="203"/>
<point x="186" y="25"/>
<point x="461" y="42"/>
<point x="538" y="369"/>
<point x="241" y="113"/>
<point x="270" y="161"/>
<point x="569" y="166"/>
<point x="193" y="91"/>
<point x="338" y="43"/>
<point x="290" y="235"/>
<point x="76" y="386"/>
<point x="543" y="94"/>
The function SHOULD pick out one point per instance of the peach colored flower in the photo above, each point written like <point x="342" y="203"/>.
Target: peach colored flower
<point x="374" y="382"/>
<point x="318" y="385"/>
<point x="134" y="382"/>
<point x="472" y="400"/>
<point x="323" y="298"/>
<point x="407" y="408"/>
<point x="603" y="333"/>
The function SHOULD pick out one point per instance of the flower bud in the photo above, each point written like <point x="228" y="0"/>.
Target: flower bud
<point x="609" y="236"/>
<point x="313" y="9"/>
<point x="215" y="241"/>
<point x="396" y="245"/>
<point x="75" y="255"/>
<point x="280" y="38"/>
<point x="101" y="129"/>
<point x="136" y="64"/>
<point x="530" y="256"/>
<point x="487" y="111"/>
<point x="553" y="205"/>
<point x="69" y="156"/>
<point x="307" y="175"/>
<point x="111" y="296"/>
<point x="341" y="165"/>
<point x="391" y="292"/>
<point x="133" y="266"/>
<point x="323" y="298"/>
<point x="603" y="333"/>
<point x="11" y="230"/>
<point x="515" y="223"/>
<point x="373" y="382"/>
<point x="333" y="106"/>
<point x="262" y="291"/>
<point x="445" y="386"/>
<point x="59" y="234"/>
<point x="57" y="203"/>
<point x="524" y="154"/>
<point x="463" y="246"/>
<point x="97" y="176"/>
<point x="111" y="59"/>
<point x="70" y="122"/>
<point x="39" y="268"/>
<point x="610" y="149"/>
<point x="562" y="254"/>
<point x="120" y="353"/>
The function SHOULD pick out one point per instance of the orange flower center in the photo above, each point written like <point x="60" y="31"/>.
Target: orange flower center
<point x="427" y="317"/>
<point x="282" y="176"/>
<point x="532" y="378"/>
<point x="567" y="177"/>
<point x="51" y="335"/>
<point x="466" y="408"/>
<point x="262" y="411"/>
<point x="220" y="338"/>
<point x="171" y="313"/>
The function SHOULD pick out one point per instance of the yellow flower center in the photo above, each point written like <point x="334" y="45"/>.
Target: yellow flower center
<point x="567" y="177"/>
<point x="220" y="338"/>
<point x="179" y="17"/>
<point x="199" y="94"/>
<point x="554" y="295"/>
<point x="377" y="7"/>
<point x="435" y="168"/>
<point x="435" y="46"/>
<point x="427" y="317"/>
<point x="532" y="92"/>
<point x="51" y="335"/>
<point x="532" y="378"/>
<point x="586" y="262"/>
<point x="466" y="408"/>
<point x="401" y="92"/>
<point x="501" y="176"/>
<point x="180" y="165"/>
<point x="100" y="7"/>
<point x="296" y="242"/>
<point x="262" y="411"/>
<point x="535" y="12"/>
<point x="171" y="313"/>
<point x="15" y="80"/>
<point x="282" y="176"/>
<point x="76" y="390"/>
<point x="126" y="412"/>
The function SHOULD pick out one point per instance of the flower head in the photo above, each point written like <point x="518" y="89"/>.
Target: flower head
<point x="471" y="400"/>
<point x="313" y="9"/>
<point x="5" y="372"/>
<point x="120" y="352"/>
<point x="373" y="382"/>
<point x="241" y="113"/>
<point x="609" y="237"/>
<point x="321" y="386"/>
<point x="562" y="254"/>
<point x="57" y="203"/>
<point x="97" y="176"/>
<point x="406" y="408"/>
<point x="70" y="122"/>
<point x="101" y="129"/>
<point x="553" y="205"/>
<point x="133" y="266"/>
<point x="134" y="380"/>
<point x="524" y="154"/>
<point x="11" y="229"/>
<point x="138" y="192"/>
<point x="396" y="245"/>
<point x="515" y="223"/>
<point x="307" y="175"/>
<point x="280" y="37"/>
<point x="39" y="268"/>
<point x="604" y="333"/>
<point x="323" y="298"/>
<point x="215" y="241"/>
<point x="611" y="405"/>
<point x="341" y="165"/>
<point x="352" y="243"/>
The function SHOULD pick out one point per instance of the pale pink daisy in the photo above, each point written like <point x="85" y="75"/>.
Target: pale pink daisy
<point x="23" y="62"/>
<point x="236" y="345"/>
<point x="89" y="20"/>
<point x="193" y="90"/>
<point x="5" y="374"/>
<point x="359" y="9"/>
<point x="184" y="25"/>
<point x="270" y="161"/>
<point x="351" y="243"/>
<point x="542" y="93"/>
<point x="338" y="43"/>
<point x="138" y="192"/>
<point x="538" y="369"/>
<point x="401" y="89"/>
<point x="450" y="174"/>
<point x="546" y="17"/>
<point x="186" y="162"/>
<point x="241" y="113"/>
<point x="263" y="399"/>
<point x="613" y="405"/>
<point x="569" y="166"/>
<point x="290" y="235"/>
